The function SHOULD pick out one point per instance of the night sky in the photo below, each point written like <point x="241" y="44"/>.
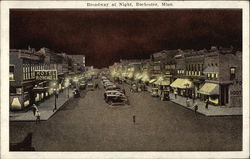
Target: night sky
<point x="105" y="36"/>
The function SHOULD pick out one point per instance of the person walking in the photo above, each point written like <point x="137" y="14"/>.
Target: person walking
<point x="206" y="103"/>
<point x="195" y="108"/>
<point x="37" y="115"/>
<point x="34" y="109"/>
<point x="188" y="102"/>
<point x="175" y="94"/>
<point x="134" y="119"/>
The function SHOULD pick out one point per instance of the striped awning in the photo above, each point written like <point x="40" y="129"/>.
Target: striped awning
<point x="162" y="82"/>
<point x="152" y="80"/>
<point x="182" y="83"/>
<point x="209" y="89"/>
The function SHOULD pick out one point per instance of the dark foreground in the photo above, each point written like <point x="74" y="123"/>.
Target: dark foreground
<point x="89" y="124"/>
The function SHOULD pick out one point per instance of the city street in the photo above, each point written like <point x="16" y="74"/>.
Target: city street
<point x="89" y="124"/>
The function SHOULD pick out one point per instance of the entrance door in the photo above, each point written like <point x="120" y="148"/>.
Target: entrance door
<point x="224" y="94"/>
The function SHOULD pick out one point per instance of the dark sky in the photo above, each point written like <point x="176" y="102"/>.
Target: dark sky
<point x="105" y="36"/>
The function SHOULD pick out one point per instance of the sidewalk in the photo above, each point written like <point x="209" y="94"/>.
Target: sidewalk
<point x="211" y="111"/>
<point x="45" y="108"/>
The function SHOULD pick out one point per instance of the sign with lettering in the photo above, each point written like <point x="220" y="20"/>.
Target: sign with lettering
<point x="46" y="74"/>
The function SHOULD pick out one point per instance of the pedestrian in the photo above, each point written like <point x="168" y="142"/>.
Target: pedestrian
<point x="188" y="102"/>
<point x="123" y="90"/>
<point x="206" y="103"/>
<point x="175" y="94"/>
<point x="37" y="115"/>
<point x="134" y="119"/>
<point x="193" y="96"/>
<point x="195" y="107"/>
<point x="34" y="109"/>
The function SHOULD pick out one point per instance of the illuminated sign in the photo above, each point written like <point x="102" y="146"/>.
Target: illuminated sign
<point x="46" y="74"/>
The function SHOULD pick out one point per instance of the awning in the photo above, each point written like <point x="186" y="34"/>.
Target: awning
<point x="152" y="80"/>
<point x="139" y="77"/>
<point x="145" y="78"/>
<point x="211" y="69"/>
<point x="182" y="83"/>
<point x="130" y="75"/>
<point x="162" y="82"/>
<point x="209" y="89"/>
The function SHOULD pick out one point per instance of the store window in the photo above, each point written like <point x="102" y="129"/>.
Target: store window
<point x="212" y="75"/>
<point x="157" y="68"/>
<point x="11" y="72"/>
<point x="208" y="75"/>
<point x="24" y="72"/>
<point x="232" y="73"/>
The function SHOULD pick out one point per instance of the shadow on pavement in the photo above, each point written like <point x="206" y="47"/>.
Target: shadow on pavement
<point x="25" y="145"/>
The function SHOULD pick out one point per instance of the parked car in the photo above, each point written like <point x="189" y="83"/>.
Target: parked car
<point x="115" y="97"/>
<point x="134" y="88"/>
<point x="165" y="95"/>
<point x="76" y="93"/>
<point x="90" y="86"/>
<point x="154" y="92"/>
<point x="82" y="85"/>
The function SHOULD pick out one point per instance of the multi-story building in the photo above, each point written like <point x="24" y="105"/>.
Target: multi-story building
<point x="23" y="64"/>
<point x="79" y="63"/>
<point x="25" y="89"/>
<point x="223" y="70"/>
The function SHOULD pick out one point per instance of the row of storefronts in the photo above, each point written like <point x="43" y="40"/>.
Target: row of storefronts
<point x="36" y="75"/>
<point x="214" y="74"/>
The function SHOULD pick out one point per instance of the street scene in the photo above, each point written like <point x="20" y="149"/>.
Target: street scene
<point x="124" y="86"/>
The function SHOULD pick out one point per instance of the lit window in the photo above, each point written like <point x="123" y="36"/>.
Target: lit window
<point x="11" y="72"/>
<point x="232" y="73"/>
<point x="208" y="75"/>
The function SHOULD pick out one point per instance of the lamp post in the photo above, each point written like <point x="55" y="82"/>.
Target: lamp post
<point x="56" y="95"/>
<point x="186" y="84"/>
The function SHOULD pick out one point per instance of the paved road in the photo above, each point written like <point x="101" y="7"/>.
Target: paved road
<point x="89" y="124"/>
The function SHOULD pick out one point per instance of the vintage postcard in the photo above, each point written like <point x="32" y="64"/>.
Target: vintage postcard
<point x="124" y="79"/>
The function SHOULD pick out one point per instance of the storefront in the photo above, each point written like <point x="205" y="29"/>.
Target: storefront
<point x="184" y="87"/>
<point x="211" y="92"/>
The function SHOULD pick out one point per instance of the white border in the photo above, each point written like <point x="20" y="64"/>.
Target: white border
<point x="6" y="5"/>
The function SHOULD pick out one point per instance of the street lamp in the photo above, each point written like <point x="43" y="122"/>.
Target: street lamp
<point x="67" y="85"/>
<point x="186" y="84"/>
<point x="56" y="95"/>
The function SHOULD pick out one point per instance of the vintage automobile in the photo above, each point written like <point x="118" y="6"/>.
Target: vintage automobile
<point x="82" y="85"/>
<point x="90" y="86"/>
<point x="108" y="84"/>
<point x="76" y="93"/>
<point x="154" y="92"/>
<point x="115" y="97"/>
<point x="164" y="95"/>
<point x="134" y="88"/>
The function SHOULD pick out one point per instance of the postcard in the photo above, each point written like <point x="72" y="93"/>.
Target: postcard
<point x="124" y="79"/>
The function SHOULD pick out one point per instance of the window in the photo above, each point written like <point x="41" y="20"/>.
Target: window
<point x="157" y="68"/>
<point x="216" y="75"/>
<point x="24" y="72"/>
<point x="11" y="72"/>
<point x="212" y="75"/>
<point x="232" y="73"/>
<point x="208" y="75"/>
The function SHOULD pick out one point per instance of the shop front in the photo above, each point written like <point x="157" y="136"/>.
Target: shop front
<point x="183" y="87"/>
<point x="210" y="91"/>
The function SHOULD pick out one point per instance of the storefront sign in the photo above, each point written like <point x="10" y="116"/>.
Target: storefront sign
<point x="46" y="74"/>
